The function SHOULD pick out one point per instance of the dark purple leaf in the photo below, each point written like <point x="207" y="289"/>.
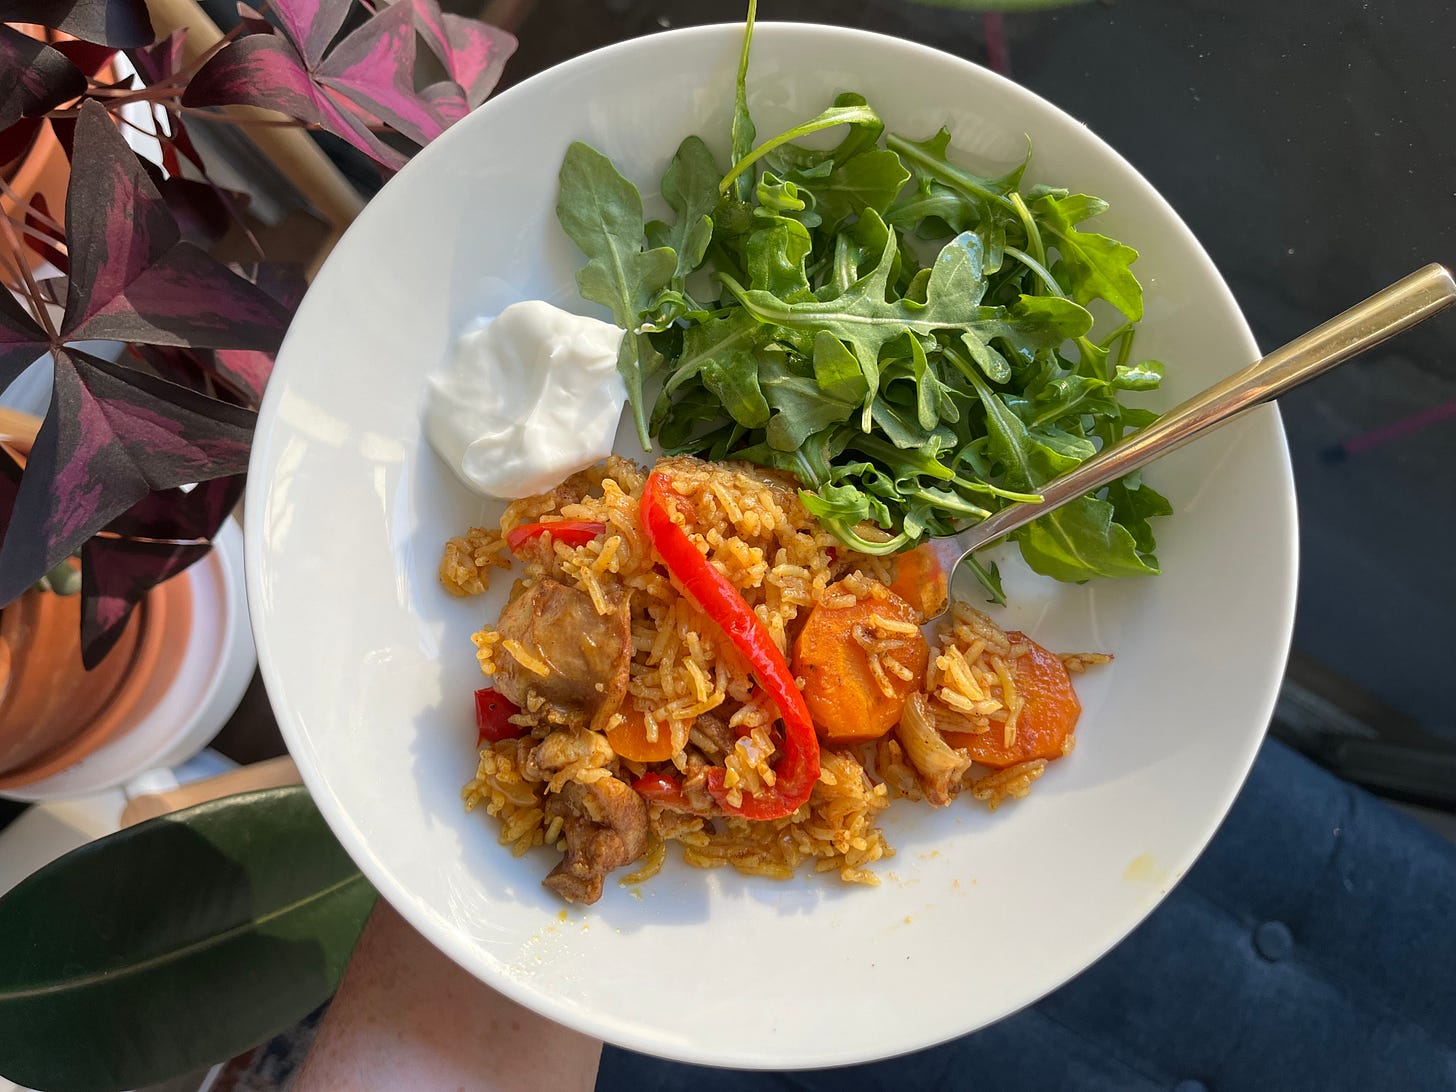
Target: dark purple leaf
<point x="245" y="369"/>
<point x="181" y="514"/>
<point x="162" y="60"/>
<point x="374" y="68"/>
<point x="133" y="278"/>
<point x="185" y="367"/>
<point x="121" y="23"/>
<point x="89" y="57"/>
<point x="34" y="77"/>
<point x="266" y="71"/>
<point x="116" y="574"/>
<point x="50" y="245"/>
<point x="22" y="341"/>
<point x="17" y="140"/>
<point x="286" y="282"/>
<point x="252" y="20"/>
<point x="111" y="436"/>
<point x="10" y="472"/>
<point x="65" y="130"/>
<point x="474" y="53"/>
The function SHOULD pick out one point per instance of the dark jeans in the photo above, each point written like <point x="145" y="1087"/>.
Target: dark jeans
<point x="1313" y="946"/>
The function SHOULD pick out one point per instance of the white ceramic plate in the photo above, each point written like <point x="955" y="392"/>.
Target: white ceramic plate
<point x="370" y="667"/>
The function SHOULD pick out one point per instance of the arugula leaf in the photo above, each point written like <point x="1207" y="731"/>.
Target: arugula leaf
<point x="690" y="187"/>
<point x="1080" y="541"/>
<point x="601" y="212"/>
<point x="918" y="398"/>
<point x="1092" y="266"/>
<point x="743" y="133"/>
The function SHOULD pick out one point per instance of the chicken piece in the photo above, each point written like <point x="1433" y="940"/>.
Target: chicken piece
<point x="939" y="765"/>
<point x="586" y="655"/>
<point x="563" y="747"/>
<point x="713" y="732"/>
<point x="605" y="827"/>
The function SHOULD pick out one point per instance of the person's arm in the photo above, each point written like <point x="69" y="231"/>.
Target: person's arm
<point x="407" y="1017"/>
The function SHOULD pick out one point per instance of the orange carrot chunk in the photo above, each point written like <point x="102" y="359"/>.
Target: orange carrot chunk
<point x="849" y="700"/>
<point x="920" y="581"/>
<point x="1049" y="713"/>
<point x="629" y="738"/>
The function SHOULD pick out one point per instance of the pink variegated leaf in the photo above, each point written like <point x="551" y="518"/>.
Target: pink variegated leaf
<point x="447" y="100"/>
<point x="246" y="370"/>
<point x="266" y="71"/>
<point x="178" y="514"/>
<point x="132" y="276"/>
<point x="111" y="436"/>
<point x="22" y="341"/>
<point x="374" y="67"/>
<point x="473" y="53"/>
<point x="311" y="24"/>
<point x="34" y="78"/>
<point x="120" y="23"/>
<point x="116" y="575"/>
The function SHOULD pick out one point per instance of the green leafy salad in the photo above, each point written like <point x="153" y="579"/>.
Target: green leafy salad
<point x="908" y="338"/>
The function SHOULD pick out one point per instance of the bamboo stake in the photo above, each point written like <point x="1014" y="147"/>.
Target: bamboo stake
<point x="292" y="150"/>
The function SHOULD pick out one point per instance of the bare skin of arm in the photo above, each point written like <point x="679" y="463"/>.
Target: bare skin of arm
<point x="407" y="1017"/>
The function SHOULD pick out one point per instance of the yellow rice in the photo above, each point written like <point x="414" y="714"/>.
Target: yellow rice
<point x="685" y="673"/>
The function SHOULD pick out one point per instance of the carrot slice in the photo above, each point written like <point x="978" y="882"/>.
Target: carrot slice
<point x="844" y="695"/>
<point x="629" y="738"/>
<point x="920" y="581"/>
<point x="1048" y="716"/>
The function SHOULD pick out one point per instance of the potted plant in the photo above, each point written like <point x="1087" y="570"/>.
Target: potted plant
<point x="140" y="458"/>
<point x="110" y="477"/>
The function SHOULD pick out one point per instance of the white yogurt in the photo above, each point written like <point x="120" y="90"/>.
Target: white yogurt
<point x="526" y="400"/>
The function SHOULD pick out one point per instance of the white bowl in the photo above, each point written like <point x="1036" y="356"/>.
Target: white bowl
<point x="370" y="667"/>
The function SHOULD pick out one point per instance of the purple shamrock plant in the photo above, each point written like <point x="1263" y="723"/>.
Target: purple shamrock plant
<point x="141" y="454"/>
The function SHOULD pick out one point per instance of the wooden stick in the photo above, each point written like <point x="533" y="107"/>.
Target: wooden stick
<point x="292" y="150"/>
<point x="272" y="774"/>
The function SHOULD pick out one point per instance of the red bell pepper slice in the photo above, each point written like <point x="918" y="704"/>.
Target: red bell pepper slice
<point x="798" y="768"/>
<point x="661" y="789"/>
<point x="493" y="715"/>
<point x="572" y="532"/>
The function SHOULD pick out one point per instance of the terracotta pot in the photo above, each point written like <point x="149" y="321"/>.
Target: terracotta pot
<point x="53" y="712"/>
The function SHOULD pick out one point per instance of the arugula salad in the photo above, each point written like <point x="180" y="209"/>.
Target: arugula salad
<point x="908" y="338"/>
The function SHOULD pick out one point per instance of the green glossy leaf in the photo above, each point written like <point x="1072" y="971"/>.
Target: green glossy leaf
<point x="1080" y="541"/>
<point x="601" y="212"/>
<point x="690" y="187"/>
<point x="175" y="944"/>
<point x="1091" y="266"/>
<point x="1145" y="376"/>
<point x="800" y="407"/>
<point x="1134" y="503"/>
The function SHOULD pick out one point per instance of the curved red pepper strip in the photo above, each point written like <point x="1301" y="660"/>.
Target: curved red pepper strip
<point x="569" y="531"/>
<point x="798" y="768"/>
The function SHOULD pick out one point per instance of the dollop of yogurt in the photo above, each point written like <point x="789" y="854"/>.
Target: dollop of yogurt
<point x="526" y="399"/>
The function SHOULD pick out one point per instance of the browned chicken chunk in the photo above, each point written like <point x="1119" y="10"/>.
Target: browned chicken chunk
<point x="606" y="827"/>
<point x="586" y="655"/>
